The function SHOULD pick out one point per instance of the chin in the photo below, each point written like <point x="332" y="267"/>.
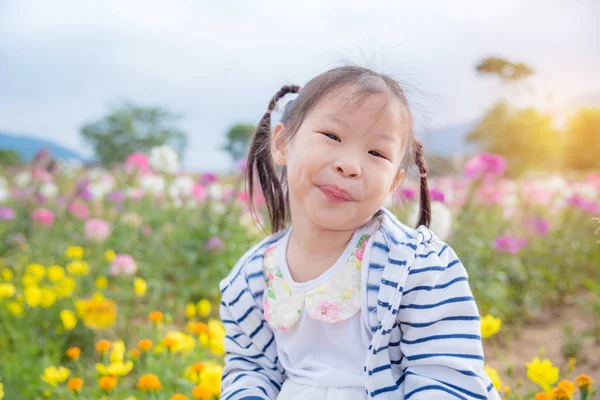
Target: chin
<point x="339" y="217"/>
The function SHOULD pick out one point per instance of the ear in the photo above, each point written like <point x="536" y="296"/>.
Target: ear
<point x="397" y="179"/>
<point x="279" y="145"/>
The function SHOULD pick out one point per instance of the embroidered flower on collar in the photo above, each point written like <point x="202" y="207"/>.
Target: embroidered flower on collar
<point x="335" y="300"/>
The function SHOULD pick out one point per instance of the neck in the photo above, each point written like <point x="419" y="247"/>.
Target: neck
<point x="309" y="238"/>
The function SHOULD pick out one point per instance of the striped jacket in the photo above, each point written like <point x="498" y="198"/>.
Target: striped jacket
<point x="416" y="296"/>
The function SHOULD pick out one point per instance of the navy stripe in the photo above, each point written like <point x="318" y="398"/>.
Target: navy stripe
<point x="465" y="391"/>
<point x="426" y="269"/>
<point x="392" y="219"/>
<point x="442" y="250"/>
<point x="257" y="329"/>
<point x="389" y="283"/>
<point x="258" y="294"/>
<point x="442" y="286"/>
<point x="254" y="275"/>
<point x="438" y="337"/>
<point x="238" y="297"/>
<point x="379" y="369"/>
<point x="243" y="317"/>
<point x="376" y="266"/>
<point x="389" y="388"/>
<point x="373" y="288"/>
<point x="239" y="345"/>
<point x="489" y="388"/>
<point x="441" y="303"/>
<point x="268" y="344"/>
<point x="454" y="318"/>
<point x="381" y="246"/>
<point x="397" y="262"/>
<point x="434" y="387"/>
<point x="431" y="355"/>
<point x="425" y="255"/>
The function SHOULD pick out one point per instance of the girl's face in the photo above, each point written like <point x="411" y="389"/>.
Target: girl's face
<point x="343" y="161"/>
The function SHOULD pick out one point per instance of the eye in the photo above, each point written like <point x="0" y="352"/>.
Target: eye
<point x="331" y="136"/>
<point x="377" y="154"/>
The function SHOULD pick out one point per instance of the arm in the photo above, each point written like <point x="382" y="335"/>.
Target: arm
<point x="441" y="332"/>
<point x="249" y="374"/>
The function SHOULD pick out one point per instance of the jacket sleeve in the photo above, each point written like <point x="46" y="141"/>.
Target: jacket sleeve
<point x="249" y="374"/>
<point x="441" y="332"/>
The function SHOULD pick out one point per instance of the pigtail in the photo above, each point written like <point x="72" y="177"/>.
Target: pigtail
<point x="425" y="207"/>
<point x="260" y="163"/>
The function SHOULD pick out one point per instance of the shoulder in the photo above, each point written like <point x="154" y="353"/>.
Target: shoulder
<point x="251" y="262"/>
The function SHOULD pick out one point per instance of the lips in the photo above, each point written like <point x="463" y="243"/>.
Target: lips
<point x="336" y="194"/>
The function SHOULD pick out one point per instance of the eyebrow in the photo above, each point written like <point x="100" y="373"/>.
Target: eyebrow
<point x="336" y="119"/>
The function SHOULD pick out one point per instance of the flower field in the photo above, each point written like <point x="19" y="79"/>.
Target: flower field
<point x="108" y="278"/>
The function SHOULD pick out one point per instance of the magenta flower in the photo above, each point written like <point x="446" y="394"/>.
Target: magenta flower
<point x="79" y="210"/>
<point x="6" y="214"/>
<point x="436" y="195"/>
<point x="407" y="194"/>
<point x="214" y="243"/>
<point x="97" y="230"/>
<point x="43" y="216"/>
<point x="539" y="226"/>
<point x="123" y="264"/>
<point x="509" y="244"/>
<point x="199" y="192"/>
<point x="137" y="162"/>
<point x="485" y="164"/>
<point x="208" y="178"/>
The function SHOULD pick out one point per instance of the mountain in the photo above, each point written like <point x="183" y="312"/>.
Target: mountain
<point x="28" y="146"/>
<point x="449" y="140"/>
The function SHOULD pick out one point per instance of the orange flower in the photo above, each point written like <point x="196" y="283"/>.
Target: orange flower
<point x="103" y="346"/>
<point x="178" y="396"/>
<point x="199" y="327"/>
<point x="75" y="384"/>
<point x="198" y="367"/>
<point x="155" y="316"/>
<point x="560" y="393"/>
<point x="170" y="342"/>
<point x="568" y="386"/>
<point x="73" y="353"/>
<point x="145" y="344"/>
<point x="134" y="353"/>
<point x="543" y="396"/>
<point x="148" y="382"/>
<point x="108" y="383"/>
<point x="584" y="382"/>
<point x="202" y="392"/>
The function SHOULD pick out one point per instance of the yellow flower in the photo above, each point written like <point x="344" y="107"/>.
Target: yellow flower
<point x="202" y="392"/>
<point x="30" y="280"/>
<point x="118" y="351"/>
<point x="110" y="255"/>
<point x="97" y="312"/>
<point x="148" y="382"/>
<point x="75" y="384"/>
<point x="204" y="339"/>
<point x="139" y="287"/>
<point x="506" y="390"/>
<point x="108" y="383"/>
<point x="204" y="308"/>
<point x="101" y="282"/>
<point x="1" y="390"/>
<point x="134" y="353"/>
<point x="68" y="319"/>
<point x="36" y="270"/>
<point x="543" y="373"/>
<point x="56" y="273"/>
<point x="6" y="290"/>
<point x="494" y="376"/>
<point x="115" y="368"/>
<point x="7" y="274"/>
<point x="74" y="252"/>
<point x="73" y="353"/>
<point x="33" y="296"/>
<point x="179" y="342"/>
<point x="211" y="378"/>
<point x="572" y="363"/>
<point x="178" y="396"/>
<point x="78" y="268"/>
<point x="15" y="308"/>
<point x="53" y="376"/>
<point x="65" y="287"/>
<point x="190" y="310"/>
<point x="48" y="297"/>
<point x="490" y="325"/>
<point x="192" y="373"/>
<point x="131" y="398"/>
<point x="584" y="381"/>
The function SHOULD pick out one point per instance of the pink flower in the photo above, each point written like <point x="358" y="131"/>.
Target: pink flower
<point x="406" y="194"/>
<point x="509" y="244"/>
<point x="79" y="210"/>
<point x="199" y="192"/>
<point x="539" y="226"/>
<point x="123" y="264"/>
<point x="137" y="162"/>
<point x="359" y="254"/>
<point x="436" y="195"/>
<point x="41" y="175"/>
<point x="214" y="243"/>
<point x="44" y="216"/>
<point x="97" y="230"/>
<point x="6" y="214"/>
<point x="485" y="164"/>
<point x="146" y="229"/>
<point x="329" y="311"/>
<point x="594" y="179"/>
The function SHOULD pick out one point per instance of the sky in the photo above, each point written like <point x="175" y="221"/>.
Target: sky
<point x="66" y="63"/>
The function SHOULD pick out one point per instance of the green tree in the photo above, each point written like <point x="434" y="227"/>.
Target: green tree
<point x="129" y="129"/>
<point x="582" y="140"/>
<point x="238" y="140"/>
<point x="525" y="138"/>
<point x="9" y="157"/>
<point x="507" y="71"/>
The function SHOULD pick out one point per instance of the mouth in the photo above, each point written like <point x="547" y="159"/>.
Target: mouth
<point x="336" y="194"/>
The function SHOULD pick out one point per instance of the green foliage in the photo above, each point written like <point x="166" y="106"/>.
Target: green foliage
<point x="507" y="71"/>
<point x="130" y="129"/>
<point x="238" y="139"/>
<point x="582" y="141"/>
<point x="525" y="138"/>
<point x="9" y="157"/>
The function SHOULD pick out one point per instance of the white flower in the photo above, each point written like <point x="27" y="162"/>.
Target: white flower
<point x="218" y="208"/>
<point x="96" y="173"/>
<point x="48" y="190"/>
<point x="102" y="188"/>
<point x="441" y="219"/>
<point x="22" y="179"/>
<point x="215" y="191"/>
<point x="3" y="194"/>
<point x="154" y="184"/>
<point x="182" y="186"/>
<point x="70" y="167"/>
<point x="164" y="159"/>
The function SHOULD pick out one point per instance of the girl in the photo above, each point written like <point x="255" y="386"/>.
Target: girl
<point x="343" y="301"/>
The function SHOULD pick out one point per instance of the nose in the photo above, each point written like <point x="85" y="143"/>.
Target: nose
<point x="347" y="167"/>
